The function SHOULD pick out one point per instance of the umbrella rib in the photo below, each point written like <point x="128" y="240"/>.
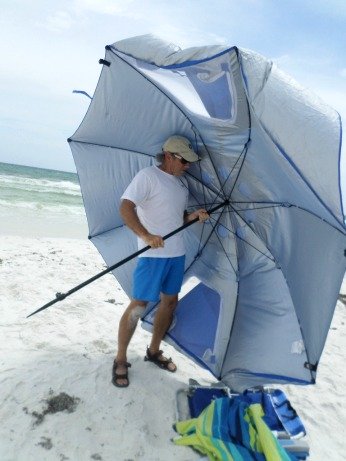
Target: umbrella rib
<point x="242" y="154"/>
<point x="217" y="193"/>
<point x="247" y="224"/>
<point x="200" y="239"/>
<point x="248" y="209"/>
<point x="261" y="202"/>
<point x="246" y="146"/>
<point x="153" y="83"/>
<point x="105" y="231"/>
<point x="245" y="241"/>
<point x="259" y="208"/>
<point x="207" y="205"/>
<point x="222" y="185"/>
<point x="191" y="193"/>
<point x="205" y="243"/>
<point x="110" y="147"/>
<point x="211" y="161"/>
<point x="213" y="203"/>
<point x="213" y="230"/>
<point x="285" y="205"/>
<point x="245" y="150"/>
<point x="318" y="217"/>
<point x="224" y="250"/>
<point x="203" y="188"/>
<point x="198" y="204"/>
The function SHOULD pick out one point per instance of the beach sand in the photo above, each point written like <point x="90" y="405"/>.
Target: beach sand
<point x="62" y="358"/>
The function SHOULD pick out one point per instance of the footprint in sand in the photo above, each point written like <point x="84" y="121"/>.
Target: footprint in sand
<point x="101" y="345"/>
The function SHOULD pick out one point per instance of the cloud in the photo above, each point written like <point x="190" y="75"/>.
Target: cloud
<point x="60" y="21"/>
<point x="343" y="72"/>
<point x="186" y="38"/>
<point x="302" y="61"/>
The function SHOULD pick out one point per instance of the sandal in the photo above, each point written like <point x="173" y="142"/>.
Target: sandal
<point x="155" y="358"/>
<point x="116" y="376"/>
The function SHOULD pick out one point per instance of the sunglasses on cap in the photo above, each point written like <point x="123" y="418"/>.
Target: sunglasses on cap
<point x="179" y="157"/>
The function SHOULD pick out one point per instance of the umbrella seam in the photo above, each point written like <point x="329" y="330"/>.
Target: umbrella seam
<point x="177" y="65"/>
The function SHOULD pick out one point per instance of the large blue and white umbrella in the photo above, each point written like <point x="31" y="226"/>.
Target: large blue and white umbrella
<point x="265" y="271"/>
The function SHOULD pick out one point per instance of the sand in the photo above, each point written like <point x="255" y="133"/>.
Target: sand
<point x="57" y="400"/>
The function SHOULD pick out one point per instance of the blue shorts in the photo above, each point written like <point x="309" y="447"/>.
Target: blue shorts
<point x="155" y="275"/>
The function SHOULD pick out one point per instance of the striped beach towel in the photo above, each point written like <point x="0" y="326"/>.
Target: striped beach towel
<point x="231" y="430"/>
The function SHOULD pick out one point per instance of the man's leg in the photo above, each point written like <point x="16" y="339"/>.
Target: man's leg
<point x="127" y="327"/>
<point x="162" y="322"/>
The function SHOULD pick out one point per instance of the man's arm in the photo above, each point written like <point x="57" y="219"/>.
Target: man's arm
<point x="130" y="218"/>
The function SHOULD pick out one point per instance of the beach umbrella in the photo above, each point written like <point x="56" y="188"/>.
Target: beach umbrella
<point x="264" y="272"/>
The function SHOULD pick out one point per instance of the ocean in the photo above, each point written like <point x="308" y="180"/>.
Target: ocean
<point x="38" y="202"/>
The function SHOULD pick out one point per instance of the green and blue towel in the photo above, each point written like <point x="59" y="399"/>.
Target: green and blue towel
<point x="231" y="430"/>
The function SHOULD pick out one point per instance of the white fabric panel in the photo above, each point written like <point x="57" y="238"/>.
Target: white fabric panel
<point x="128" y="112"/>
<point x="266" y="337"/>
<point x="268" y="176"/>
<point x="104" y="174"/>
<point x="311" y="256"/>
<point x="306" y="128"/>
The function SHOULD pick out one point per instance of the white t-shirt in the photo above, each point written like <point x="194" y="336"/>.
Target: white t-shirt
<point x="160" y="200"/>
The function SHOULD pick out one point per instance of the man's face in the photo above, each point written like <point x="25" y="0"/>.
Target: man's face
<point x="178" y="164"/>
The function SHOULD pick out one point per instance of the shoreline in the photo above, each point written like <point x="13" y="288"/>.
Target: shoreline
<point x="41" y="224"/>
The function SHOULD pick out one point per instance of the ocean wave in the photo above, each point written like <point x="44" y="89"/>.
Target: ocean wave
<point x="40" y="185"/>
<point x="58" y="194"/>
<point x="42" y="207"/>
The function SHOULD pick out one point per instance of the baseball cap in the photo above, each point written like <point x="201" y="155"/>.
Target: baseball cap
<point x="182" y="146"/>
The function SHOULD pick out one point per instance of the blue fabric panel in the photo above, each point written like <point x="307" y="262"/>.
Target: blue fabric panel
<point x="215" y="94"/>
<point x="196" y="320"/>
<point x="194" y="325"/>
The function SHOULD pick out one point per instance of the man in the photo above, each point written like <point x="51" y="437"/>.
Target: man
<point x="153" y="205"/>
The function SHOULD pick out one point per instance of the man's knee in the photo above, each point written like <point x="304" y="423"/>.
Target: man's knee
<point x="137" y="309"/>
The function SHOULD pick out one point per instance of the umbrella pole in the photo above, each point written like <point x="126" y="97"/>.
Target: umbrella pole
<point x="61" y="296"/>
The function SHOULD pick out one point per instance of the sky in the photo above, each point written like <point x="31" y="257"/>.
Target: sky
<point x="49" y="48"/>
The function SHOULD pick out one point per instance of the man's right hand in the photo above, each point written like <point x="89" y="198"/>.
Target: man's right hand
<point x="155" y="241"/>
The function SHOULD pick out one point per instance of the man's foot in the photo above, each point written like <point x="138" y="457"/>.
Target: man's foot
<point x="120" y="374"/>
<point x="161" y="361"/>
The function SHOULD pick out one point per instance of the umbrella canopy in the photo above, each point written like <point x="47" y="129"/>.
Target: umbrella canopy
<point x="265" y="271"/>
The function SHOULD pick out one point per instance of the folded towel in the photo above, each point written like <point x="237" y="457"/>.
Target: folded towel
<point x="231" y="430"/>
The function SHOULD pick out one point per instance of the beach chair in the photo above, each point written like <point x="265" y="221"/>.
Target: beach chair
<point x="279" y="415"/>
